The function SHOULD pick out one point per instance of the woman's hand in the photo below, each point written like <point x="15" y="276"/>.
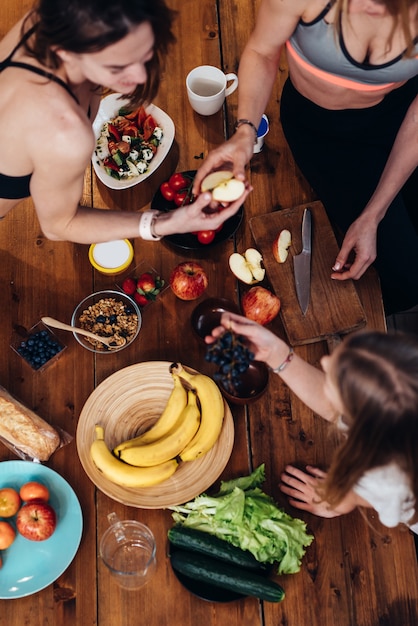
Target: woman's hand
<point x="360" y="239"/>
<point x="301" y="489"/>
<point x="233" y="154"/>
<point x="202" y="214"/>
<point x="265" y="345"/>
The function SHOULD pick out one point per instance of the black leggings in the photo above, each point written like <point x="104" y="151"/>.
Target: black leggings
<point x="342" y="155"/>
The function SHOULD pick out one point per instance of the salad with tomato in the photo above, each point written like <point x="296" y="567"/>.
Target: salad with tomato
<point x="128" y="142"/>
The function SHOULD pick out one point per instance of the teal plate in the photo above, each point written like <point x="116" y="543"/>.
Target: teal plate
<point x="29" y="566"/>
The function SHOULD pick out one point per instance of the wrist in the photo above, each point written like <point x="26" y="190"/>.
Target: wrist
<point x="246" y="126"/>
<point x="147" y="223"/>
<point x="284" y="362"/>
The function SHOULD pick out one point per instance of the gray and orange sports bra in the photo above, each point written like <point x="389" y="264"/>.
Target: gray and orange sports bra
<point x="18" y="187"/>
<point x="313" y="46"/>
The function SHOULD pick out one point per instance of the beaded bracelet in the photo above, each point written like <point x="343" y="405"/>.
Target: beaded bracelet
<point x="146" y="226"/>
<point x="285" y="363"/>
<point x="239" y="123"/>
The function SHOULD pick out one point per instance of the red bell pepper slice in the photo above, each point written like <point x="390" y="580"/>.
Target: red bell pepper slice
<point x="113" y="131"/>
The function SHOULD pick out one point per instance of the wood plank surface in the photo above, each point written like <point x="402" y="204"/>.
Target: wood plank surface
<point x="356" y="573"/>
<point x="334" y="307"/>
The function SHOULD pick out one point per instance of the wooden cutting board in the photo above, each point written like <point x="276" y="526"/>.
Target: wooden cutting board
<point x="334" y="307"/>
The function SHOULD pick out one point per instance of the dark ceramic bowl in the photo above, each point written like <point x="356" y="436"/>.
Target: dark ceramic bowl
<point x="207" y="315"/>
<point x="251" y="386"/>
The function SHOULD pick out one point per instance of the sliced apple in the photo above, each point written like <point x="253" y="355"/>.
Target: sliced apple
<point x="247" y="267"/>
<point x="214" y="179"/>
<point x="281" y="246"/>
<point x="228" y="191"/>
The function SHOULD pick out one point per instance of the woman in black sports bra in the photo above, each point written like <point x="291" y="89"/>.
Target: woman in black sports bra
<point x="55" y="63"/>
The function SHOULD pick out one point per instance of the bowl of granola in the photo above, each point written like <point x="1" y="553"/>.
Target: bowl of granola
<point x="107" y="314"/>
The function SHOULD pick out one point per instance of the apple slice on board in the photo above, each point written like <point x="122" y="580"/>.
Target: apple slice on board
<point x="281" y="245"/>
<point x="223" y="186"/>
<point x="247" y="266"/>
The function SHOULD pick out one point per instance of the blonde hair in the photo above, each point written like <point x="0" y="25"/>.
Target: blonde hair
<point x="400" y="12"/>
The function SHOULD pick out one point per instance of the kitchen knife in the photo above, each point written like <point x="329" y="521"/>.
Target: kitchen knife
<point x="302" y="263"/>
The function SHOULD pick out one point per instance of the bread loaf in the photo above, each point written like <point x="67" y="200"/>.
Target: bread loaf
<point x="23" y="430"/>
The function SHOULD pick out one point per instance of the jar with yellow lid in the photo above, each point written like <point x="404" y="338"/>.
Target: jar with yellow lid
<point x="111" y="257"/>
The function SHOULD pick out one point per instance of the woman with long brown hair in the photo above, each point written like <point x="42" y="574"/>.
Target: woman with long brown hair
<point x="54" y="65"/>
<point x="349" y="111"/>
<point x="367" y="388"/>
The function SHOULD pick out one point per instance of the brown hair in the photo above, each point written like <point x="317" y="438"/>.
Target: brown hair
<point x="376" y="375"/>
<point x="84" y="26"/>
<point x="399" y="10"/>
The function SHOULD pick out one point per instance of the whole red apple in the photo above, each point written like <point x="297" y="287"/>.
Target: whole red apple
<point x="188" y="280"/>
<point x="36" y="520"/>
<point x="260" y="305"/>
<point x="9" y="502"/>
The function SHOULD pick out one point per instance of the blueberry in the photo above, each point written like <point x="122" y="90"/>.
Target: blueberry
<point x="101" y="319"/>
<point x="113" y="319"/>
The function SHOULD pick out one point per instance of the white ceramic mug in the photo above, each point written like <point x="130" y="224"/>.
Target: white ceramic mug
<point x="207" y="88"/>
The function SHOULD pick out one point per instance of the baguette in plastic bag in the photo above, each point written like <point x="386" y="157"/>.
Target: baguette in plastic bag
<point x="25" y="433"/>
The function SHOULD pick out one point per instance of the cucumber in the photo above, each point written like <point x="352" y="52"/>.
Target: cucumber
<point x="213" y="572"/>
<point x="205" y="543"/>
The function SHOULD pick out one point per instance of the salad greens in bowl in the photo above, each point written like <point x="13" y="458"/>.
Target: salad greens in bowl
<point x="130" y="143"/>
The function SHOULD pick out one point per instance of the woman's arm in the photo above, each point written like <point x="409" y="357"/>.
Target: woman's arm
<point x="362" y="234"/>
<point x="276" y="21"/>
<point x="56" y="188"/>
<point x="305" y="380"/>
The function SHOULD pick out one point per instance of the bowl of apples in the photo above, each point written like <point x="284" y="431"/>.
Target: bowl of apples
<point x="176" y="192"/>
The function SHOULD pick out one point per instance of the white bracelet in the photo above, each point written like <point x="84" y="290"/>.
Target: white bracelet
<point x="146" y="226"/>
<point x="285" y="363"/>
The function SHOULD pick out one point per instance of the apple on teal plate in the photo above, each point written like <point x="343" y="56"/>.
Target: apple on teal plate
<point x="29" y="566"/>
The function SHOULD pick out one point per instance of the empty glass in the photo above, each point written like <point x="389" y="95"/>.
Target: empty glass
<point x="128" y="550"/>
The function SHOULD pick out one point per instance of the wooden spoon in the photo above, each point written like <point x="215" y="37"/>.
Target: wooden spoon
<point x="50" y="321"/>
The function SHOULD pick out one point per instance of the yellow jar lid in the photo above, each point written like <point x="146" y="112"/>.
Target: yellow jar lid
<point x="111" y="257"/>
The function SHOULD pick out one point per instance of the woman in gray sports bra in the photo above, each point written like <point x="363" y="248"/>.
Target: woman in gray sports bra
<point x="349" y="111"/>
<point x="56" y="62"/>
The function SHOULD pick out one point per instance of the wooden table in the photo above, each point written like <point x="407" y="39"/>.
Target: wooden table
<point x="356" y="572"/>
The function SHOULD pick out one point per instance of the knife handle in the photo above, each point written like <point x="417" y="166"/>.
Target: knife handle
<point x="307" y="230"/>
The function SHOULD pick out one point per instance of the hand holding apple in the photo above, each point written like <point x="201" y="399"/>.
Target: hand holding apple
<point x="188" y="280"/>
<point x="260" y="305"/>
<point x="224" y="187"/>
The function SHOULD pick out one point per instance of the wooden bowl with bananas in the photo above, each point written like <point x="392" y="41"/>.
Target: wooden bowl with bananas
<point x="147" y="436"/>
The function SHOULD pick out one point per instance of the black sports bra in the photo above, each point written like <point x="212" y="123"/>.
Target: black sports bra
<point x="18" y="187"/>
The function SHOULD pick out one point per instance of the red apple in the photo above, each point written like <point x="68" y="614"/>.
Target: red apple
<point x="34" y="491"/>
<point x="9" y="502"/>
<point x="36" y="520"/>
<point x="260" y="305"/>
<point x="7" y="535"/>
<point x="188" y="280"/>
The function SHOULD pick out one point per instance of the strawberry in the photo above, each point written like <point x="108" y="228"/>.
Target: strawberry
<point x="129" y="286"/>
<point x="140" y="299"/>
<point x="145" y="282"/>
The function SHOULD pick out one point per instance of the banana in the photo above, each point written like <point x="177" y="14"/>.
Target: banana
<point x="125" y="475"/>
<point x="169" y="446"/>
<point x="176" y="402"/>
<point x="212" y="414"/>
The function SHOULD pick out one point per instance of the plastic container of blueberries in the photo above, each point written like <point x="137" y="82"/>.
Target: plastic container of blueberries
<point x="39" y="347"/>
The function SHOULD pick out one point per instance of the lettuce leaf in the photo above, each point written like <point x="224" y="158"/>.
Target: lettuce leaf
<point x="242" y="514"/>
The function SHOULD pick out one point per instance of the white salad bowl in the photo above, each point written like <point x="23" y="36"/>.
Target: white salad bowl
<point x="108" y="109"/>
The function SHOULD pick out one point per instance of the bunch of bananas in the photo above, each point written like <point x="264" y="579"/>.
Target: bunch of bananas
<point x="188" y="427"/>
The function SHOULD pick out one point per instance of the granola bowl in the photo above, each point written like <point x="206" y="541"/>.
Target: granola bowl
<point x="107" y="313"/>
